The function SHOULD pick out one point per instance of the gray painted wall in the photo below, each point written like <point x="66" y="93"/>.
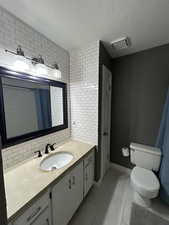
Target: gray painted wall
<point x="140" y="83"/>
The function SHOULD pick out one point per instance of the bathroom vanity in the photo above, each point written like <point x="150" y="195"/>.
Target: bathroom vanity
<point x="37" y="197"/>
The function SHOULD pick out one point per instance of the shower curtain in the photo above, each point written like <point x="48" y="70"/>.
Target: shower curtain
<point x="43" y="105"/>
<point x="163" y="144"/>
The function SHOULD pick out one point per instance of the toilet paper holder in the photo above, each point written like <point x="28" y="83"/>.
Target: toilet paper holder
<point x="125" y="151"/>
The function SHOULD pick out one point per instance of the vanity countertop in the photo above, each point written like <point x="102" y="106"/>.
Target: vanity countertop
<point x="26" y="181"/>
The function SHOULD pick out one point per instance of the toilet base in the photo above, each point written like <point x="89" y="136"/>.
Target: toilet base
<point x="142" y="200"/>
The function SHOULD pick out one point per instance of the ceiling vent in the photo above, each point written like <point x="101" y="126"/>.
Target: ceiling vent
<point x="121" y="43"/>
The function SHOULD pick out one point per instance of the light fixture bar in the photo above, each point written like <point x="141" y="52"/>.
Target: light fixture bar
<point x="11" y="52"/>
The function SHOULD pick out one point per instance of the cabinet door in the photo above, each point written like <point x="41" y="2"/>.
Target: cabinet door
<point x="89" y="177"/>
<point x="67" y="195"/>
<point x="43" y="219"/>
<point x="62" y="201"/>
<point x="34" y="211"/>
<point x="77" y="186"/>
<point x="88" y="173"/>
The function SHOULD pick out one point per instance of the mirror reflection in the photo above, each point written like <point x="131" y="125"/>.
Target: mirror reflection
<point x="56" y="94"/>
<point x="31" y="106"/>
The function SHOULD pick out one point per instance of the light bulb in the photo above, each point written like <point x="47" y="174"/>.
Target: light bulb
<point x="57" y="74"/>
<point x="41" y="69"/>
<point x="20" y="64"/>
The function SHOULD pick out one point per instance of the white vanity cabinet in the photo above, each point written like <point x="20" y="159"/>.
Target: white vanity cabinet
<point x="88" y="172"/>
<point x="67" y="195"/>
<point x="39" y="213"/>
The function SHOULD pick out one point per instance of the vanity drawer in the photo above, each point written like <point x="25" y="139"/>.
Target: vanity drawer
<point x="34" y="211"/>
<point x="89" y="159"/>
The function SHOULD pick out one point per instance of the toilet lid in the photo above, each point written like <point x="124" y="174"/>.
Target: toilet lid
<point x="145" y="182"/>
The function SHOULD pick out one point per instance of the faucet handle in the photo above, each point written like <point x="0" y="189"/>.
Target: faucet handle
<point x="52" y="147"/>
<point x="39" y="153"/>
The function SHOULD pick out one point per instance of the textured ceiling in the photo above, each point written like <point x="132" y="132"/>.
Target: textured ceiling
<point x="75" y="23"/>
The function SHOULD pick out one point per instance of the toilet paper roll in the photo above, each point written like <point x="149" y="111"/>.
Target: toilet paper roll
<point x="125" y="152"/>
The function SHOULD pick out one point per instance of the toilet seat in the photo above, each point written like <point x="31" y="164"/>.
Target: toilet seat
<point x="145" y="182"/>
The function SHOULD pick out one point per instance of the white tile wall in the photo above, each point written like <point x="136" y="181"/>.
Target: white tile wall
<point x="84" y="70"/>
<point x="13" y="32"/>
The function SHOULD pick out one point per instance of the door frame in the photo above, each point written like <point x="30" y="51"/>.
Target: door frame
<point x="104" y="59"/>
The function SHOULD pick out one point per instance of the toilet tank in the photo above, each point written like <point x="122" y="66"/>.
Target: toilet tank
<point x="145" y="156"/>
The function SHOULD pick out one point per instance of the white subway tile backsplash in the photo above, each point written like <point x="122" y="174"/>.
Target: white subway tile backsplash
<point x="12" y="33"/>
<point x="18" y="153"/>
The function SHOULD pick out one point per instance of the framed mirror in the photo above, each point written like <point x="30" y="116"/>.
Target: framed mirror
<point x="30" y="106"/>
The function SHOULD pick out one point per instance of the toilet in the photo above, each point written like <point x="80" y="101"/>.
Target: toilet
<point x="144" y="181"/>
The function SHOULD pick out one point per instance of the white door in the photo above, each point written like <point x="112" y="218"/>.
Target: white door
<point x="106" y="119"/>
<point x="67" y="195"/>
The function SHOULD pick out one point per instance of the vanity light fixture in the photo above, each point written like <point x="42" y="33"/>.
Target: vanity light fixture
<point x="23" y="63"/>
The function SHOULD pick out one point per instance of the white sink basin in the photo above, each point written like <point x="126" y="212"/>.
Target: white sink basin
<point x="56" y="161"/>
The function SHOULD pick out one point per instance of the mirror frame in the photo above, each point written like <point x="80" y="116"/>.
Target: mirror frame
<point x="7" y="142"/>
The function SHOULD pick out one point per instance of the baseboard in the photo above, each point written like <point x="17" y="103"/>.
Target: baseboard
<point x="120" y="168"/>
